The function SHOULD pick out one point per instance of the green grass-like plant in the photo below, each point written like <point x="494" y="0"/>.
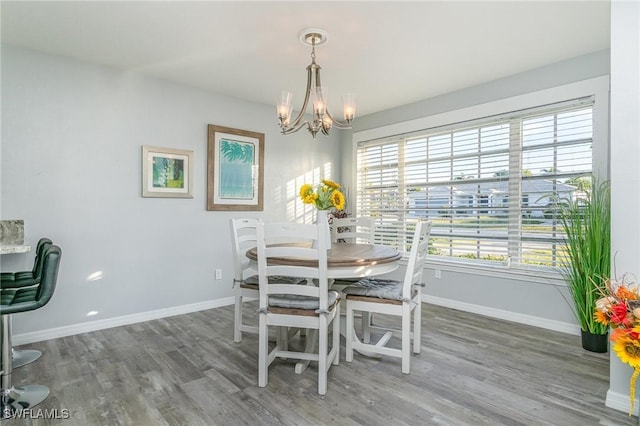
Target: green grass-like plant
<point x="587" y="224"/>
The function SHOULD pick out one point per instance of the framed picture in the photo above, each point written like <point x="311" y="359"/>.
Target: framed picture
<point x="235" y="169"/>
<point x="167" y="172"/>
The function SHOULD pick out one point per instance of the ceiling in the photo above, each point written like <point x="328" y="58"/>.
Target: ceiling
<point x="388" y="53"/>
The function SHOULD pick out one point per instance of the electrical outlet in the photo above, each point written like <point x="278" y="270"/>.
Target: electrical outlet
<point x="438" y="273"/>
<point x="218" y="274"/>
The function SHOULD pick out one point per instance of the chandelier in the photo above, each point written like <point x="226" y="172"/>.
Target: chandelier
<point x="322" y="121"/>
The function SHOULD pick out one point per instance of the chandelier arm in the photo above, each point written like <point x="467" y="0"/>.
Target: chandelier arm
<point x="292" y="129"/>
<point x="298" y="119"/>
<point x="337" y="123"/>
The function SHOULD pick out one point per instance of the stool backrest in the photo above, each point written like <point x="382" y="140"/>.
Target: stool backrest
<point x="50" y="267"/>
<point x="39" y="260"/>
<point x="33" y="297"/>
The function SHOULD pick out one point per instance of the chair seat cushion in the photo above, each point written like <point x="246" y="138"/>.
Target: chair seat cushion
<point x="18" y="279"/>
<point x="371" y="287"/>
<point x="15" y="296"/>
<point x="295" y="301"/>
<point x="6" y="297"/>
<point x="345" y="281"/>
<point x="11" y="276"/>
<point x="276" y="279"/>
<point x="252" y="280"/>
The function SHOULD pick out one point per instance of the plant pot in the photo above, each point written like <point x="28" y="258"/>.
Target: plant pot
<point x="595" y="342"/>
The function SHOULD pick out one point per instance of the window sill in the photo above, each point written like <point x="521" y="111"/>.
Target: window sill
<point x="547" y="277"/>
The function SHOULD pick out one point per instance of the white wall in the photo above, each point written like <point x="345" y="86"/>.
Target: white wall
<point x="71" y="168"/>
<point x="625" y="157"/>
<point x="569" y="71"/>
<point x="528" y="300"/>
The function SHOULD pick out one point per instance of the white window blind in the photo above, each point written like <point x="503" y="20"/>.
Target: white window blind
<point x="487" y="185"/>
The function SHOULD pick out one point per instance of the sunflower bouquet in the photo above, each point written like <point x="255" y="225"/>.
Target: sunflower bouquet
<point x="325" y="196"/>
<point x="619" y="307"/>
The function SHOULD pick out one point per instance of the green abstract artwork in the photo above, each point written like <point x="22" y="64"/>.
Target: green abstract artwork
<point x="168" y="172"/>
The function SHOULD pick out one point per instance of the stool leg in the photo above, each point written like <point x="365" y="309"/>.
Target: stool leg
<point x="5" y="379"/>
<point x="15" y="398"/>
<point x="22" y="357"/>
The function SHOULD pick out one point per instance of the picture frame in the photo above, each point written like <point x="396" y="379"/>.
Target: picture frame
<point x="167" y="172"/>
<point x="235" y="169"/>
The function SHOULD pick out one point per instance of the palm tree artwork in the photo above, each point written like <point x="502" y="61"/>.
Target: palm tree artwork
<point x="236" y="169"/>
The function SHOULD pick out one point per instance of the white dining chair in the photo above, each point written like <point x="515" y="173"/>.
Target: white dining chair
<point x="353" y="229"/>
<point x="391" y="297"/>
<point x="245" y="278"/>
<point x="301" y="305"/>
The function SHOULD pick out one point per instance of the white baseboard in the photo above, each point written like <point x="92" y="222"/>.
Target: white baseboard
<point x="85" y="327"/>
<point x="621" y="402"/>
<point x="563" y="327"/>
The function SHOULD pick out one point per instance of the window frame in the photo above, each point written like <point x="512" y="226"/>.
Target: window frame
<point x="597" y="87"/>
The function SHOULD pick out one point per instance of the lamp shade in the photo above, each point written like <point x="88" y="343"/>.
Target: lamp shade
<point x="319" y="98"/>
<point x="283" y="105"/>
<point x="349" y="106"/>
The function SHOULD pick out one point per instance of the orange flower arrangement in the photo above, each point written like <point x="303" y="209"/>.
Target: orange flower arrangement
<point x="619" y="308"/>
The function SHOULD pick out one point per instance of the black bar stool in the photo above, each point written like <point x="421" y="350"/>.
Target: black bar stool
<point x="10" y="282"/>
<point x="22" y="299"/>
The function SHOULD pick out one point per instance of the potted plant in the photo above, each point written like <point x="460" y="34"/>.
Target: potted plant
<point x="586" y="220"/>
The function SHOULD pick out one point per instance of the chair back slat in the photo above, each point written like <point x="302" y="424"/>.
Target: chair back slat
<point x="308" y="241"/>
<point x="417" y="257"/>
<point x="243" y="236"/>
<point x="353" y="229"/>
<point x="288" y="251"/>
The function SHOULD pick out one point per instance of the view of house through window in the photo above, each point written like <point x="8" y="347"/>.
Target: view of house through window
<point x="491" y="187"/>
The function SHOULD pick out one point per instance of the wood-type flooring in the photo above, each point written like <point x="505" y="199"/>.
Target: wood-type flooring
<point x="186" y="370"/>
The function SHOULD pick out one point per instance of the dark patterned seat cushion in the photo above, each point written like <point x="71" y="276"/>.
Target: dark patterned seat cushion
<point x="276" y="279"/>
<point x="12" y="296"/>
<point x="371" y="287"/>
<point x="301" y="302"/>
<point x="18" y="279"/>
<point x="6" y="296"/>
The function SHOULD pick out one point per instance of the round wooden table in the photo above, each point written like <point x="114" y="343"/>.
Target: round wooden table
<point x="344" y="260"/>
<point x="348" y="260"/>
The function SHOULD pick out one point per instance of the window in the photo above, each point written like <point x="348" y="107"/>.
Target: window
<point x="487" y="185"/>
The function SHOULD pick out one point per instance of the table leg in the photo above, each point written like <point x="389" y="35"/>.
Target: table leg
<point x="343" y="333"/>
<point x="310" y="347"/>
